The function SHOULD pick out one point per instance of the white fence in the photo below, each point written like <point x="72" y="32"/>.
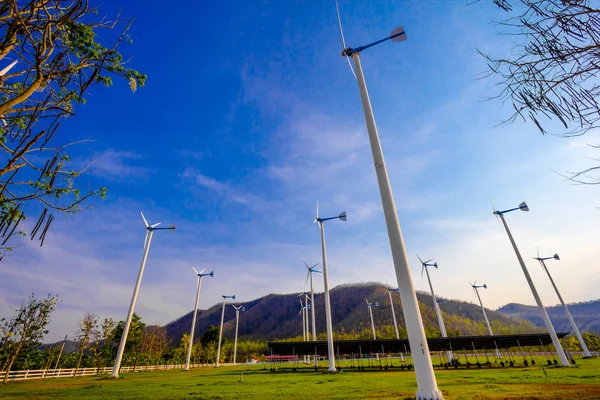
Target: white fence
<point x="70" y="372"/>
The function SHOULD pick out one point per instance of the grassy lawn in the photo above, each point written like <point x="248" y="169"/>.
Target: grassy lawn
<point x="582" y="381"/>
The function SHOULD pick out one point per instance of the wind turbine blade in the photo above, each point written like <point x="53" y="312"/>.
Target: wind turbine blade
<point x="350" y="65"/>
<point x="146" y="240"/>
<point x="422" y="269"/>
<point x="307" y="276"/>
<point x="397" y="31"/>
<point x="197" y="273"/>
<point x="8" y="68"/>
<point x="306" y="265"/>
<point x="144" y="218"/>
<point x="427" y="262"/>
<point x="419" y="259"/>
<point x="538" y="257"/>
<point x="314" y="265"/>
<point x="155" y="225"/>
<point x="202" y="270"/>
<point x="337" y="9"/>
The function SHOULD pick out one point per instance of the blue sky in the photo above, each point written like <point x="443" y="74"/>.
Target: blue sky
<point x="250" y="115"/>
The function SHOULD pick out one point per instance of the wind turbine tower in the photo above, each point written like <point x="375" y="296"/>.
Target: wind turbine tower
<point x="586" y="351"/>
<point x="237" y="321"/>
<point x="199" y="275"/>
<point x="221" y="330"/>
<point x="370" y="306"/>
<point x="389" y="291"/>
<point x="487" y="321"/>
<point x="148" y="239"/>
<point x="328" y="323"/>
<point x="436" y="306"/>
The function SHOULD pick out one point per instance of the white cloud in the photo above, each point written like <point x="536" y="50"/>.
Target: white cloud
<point x="114" y="164"/>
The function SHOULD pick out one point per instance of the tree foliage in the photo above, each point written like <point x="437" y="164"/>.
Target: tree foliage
<point x="24" y="332"/>
<point x="86" y="334"/>
<point x="552" y="71"/>
<point x="50" y="57"/>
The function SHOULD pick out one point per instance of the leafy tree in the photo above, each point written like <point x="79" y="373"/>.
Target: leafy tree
<point x="102" y="348"/>
<point x="161" y="342"/>
<point x="25" y="331"/>
<point x="551" y="73"/>
<point x="87" y="332"/>
<point x="134" y="338"/>
<point x="50" y="57"/>
<point x="210" y="336"/>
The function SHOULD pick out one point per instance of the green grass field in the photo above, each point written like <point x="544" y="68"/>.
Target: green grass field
<point x="580" y="382"/>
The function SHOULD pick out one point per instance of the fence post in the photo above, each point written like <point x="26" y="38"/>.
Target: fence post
<point x="26" y="373"/>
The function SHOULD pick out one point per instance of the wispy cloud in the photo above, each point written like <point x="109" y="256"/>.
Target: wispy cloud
<point x="225" y="191"/>
<point x="115" y="165"/>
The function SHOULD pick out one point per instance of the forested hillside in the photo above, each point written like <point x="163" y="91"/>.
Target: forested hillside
<point x="276" y="316"/>
<point x="586" y="315"/>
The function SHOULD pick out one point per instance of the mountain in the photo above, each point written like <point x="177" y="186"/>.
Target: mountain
<point x="586" y="315"/>
<point x="276" y="316"/>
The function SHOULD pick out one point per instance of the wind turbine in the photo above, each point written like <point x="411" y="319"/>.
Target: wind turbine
<point x="328" y="324"/>
<point x="370" y="306"/>
<point x="559" y="349"/>
<point x="198" y="285"/>
<point x="312" y="270"/>
<point x="221" y="330"/>
<point x="487" y="321"/>
<point x="389" y="291"/>
<point x="308" y="307"/>
<point x="149" y="232"/>
<point x="586" y="351"/>
<point x="426" y="383"/>
<point x="237" y="320"/>
<point x="305" y="327"/>
<point x="424" y="265"/>
<point x="436" y="306"/>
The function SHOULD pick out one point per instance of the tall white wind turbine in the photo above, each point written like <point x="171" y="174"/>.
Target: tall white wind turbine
<point x="564" y="361"/>
<point x="389" y="291"/>
<point x="328" y="323"/>
<point x="586" y="351"/>
<point x="436" y="306"/>
<point x="149" y="232"/>
<point x="426" y="382"/>
<point x="370" y="306"/>
<point x="221" y="330"/>
<point x="237" y="321"/>
<point x="487" y="321"/>
<point x="312" y="270"/>
<point x="199" y="276"/>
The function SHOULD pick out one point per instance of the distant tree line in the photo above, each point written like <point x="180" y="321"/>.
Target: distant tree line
<point x="21" y="346"/>
<point x="21" y="336"/>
